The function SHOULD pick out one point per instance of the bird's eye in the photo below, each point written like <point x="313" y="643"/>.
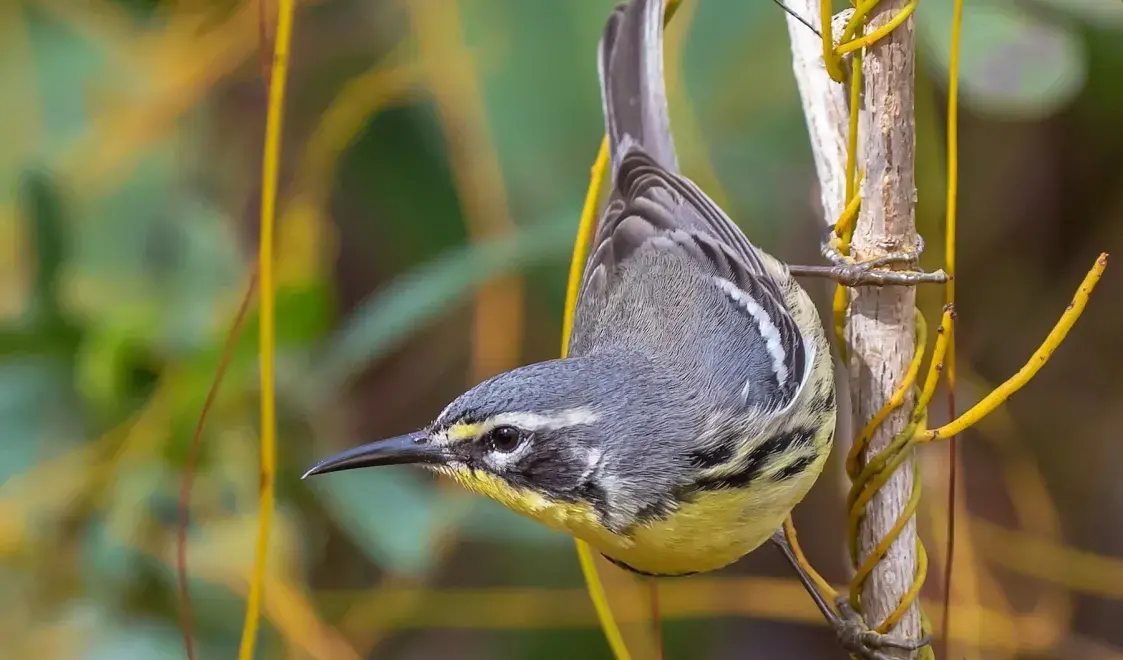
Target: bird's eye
<point x="504" y="439"/>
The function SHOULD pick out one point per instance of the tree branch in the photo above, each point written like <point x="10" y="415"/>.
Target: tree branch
<point x="825" y="105"/>
<point x="881" y="323"/>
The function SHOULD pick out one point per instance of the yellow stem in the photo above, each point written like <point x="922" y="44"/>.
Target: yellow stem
<point x="270" y="165"/>
<point x="576" y="267"/>
<point x="1027" y="372"/>
<point x="585" y="228"/>
<point x="880" y="33"/>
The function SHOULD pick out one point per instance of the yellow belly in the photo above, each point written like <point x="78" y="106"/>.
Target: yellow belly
<point x="713" y="530"/>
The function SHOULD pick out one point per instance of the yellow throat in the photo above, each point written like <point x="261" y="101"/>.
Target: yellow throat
<point x="711" y="530"/>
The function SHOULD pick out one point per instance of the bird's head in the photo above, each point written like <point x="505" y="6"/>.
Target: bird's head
<point x="549" y="440"/>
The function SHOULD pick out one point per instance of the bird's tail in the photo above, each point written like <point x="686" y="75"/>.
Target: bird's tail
<point x="630" y="63"/>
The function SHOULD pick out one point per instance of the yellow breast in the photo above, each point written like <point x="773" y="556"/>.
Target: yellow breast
<point x="712" y="530"/>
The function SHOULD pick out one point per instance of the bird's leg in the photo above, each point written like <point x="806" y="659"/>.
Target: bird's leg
<point x="864" y="273"/>
<point x="853" y="633"/>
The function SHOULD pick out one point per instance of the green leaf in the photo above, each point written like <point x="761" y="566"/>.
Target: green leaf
<point x="387" y="513"/>
<point x="384" y="320"/>
<point x="1013" y="64"/>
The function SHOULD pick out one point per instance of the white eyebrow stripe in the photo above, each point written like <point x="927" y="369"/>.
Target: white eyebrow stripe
<point x="538" y="422"/>
<point x="768" y="329"/>
<point x="528" y="421"/>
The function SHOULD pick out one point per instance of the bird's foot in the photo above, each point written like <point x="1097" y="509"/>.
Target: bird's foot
<point x="853" y="633"/>
<point x="864" y="643"/>
<point x="848" y="272"/>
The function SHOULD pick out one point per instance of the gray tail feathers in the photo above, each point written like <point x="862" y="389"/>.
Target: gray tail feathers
<point x="630" y="65"/>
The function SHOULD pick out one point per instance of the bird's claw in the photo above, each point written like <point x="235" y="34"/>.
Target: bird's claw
<point x="865" y="644"/>
<point x="849" y="272"/>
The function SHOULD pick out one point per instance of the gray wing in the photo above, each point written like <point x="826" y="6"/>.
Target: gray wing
<point x="657" y="218"/>
<point x="664" y="254"/>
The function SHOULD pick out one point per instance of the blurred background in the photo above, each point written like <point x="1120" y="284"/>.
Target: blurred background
<point x="436" y="154"/>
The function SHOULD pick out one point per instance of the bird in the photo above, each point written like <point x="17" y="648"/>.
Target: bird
<point x="696" y="405"/>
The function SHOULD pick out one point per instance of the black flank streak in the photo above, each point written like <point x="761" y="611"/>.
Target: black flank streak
<point x="799" y="437"/>
<point x="823" y="402"/>
<point x="660" y="509"/>
<point x="759" y="458"/>
<point x="713" y="456"/>
<point x="792" y="469"/>
<point x="595" y="495"/>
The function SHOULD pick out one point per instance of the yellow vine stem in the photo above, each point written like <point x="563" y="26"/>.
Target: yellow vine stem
<point x="868" y="479"/>
<point x="821" y="583"/>
<point x="266" y="349"/>
<point x="576" y="267"/>
<point x="584" y="239"/>
<point x="844" y="232"/>
<point x="949" y="299"/>
<point x="858" y="43"/>
<point x="1030" y="369"/>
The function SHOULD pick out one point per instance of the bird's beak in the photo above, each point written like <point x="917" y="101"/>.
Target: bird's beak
<point x="409" y="448"/>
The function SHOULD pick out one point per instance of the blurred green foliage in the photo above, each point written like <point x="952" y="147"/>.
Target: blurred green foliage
<point x="121" y="274"/>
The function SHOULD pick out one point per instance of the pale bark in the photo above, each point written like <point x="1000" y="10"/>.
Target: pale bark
<point x="880" y="324"/>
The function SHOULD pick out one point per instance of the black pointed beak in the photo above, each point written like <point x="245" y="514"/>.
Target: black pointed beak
<point x="404" y="449"/>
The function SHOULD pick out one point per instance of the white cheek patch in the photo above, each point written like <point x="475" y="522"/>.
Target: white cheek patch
<point x="498" y="460"/>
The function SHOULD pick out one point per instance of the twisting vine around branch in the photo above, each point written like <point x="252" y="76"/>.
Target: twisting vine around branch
<point x="867" y="479"/>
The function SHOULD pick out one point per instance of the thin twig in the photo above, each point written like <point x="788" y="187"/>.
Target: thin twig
<point x="186" y="623"/>
<point x="193" y="458"/>
<point x="949" y="289"/>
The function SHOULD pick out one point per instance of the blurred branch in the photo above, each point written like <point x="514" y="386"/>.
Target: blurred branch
<point x="385" y="84"/>
<point x="1078" y="570"/>
<point x="452" y="78"/>
<point x="699" y="598"/>
<point x="189" y="466"/>
<point x="950" y="230"/>
<point x="180" y="66"/>
<point x="303" y="224"/>
<point x="287" y="607"/>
